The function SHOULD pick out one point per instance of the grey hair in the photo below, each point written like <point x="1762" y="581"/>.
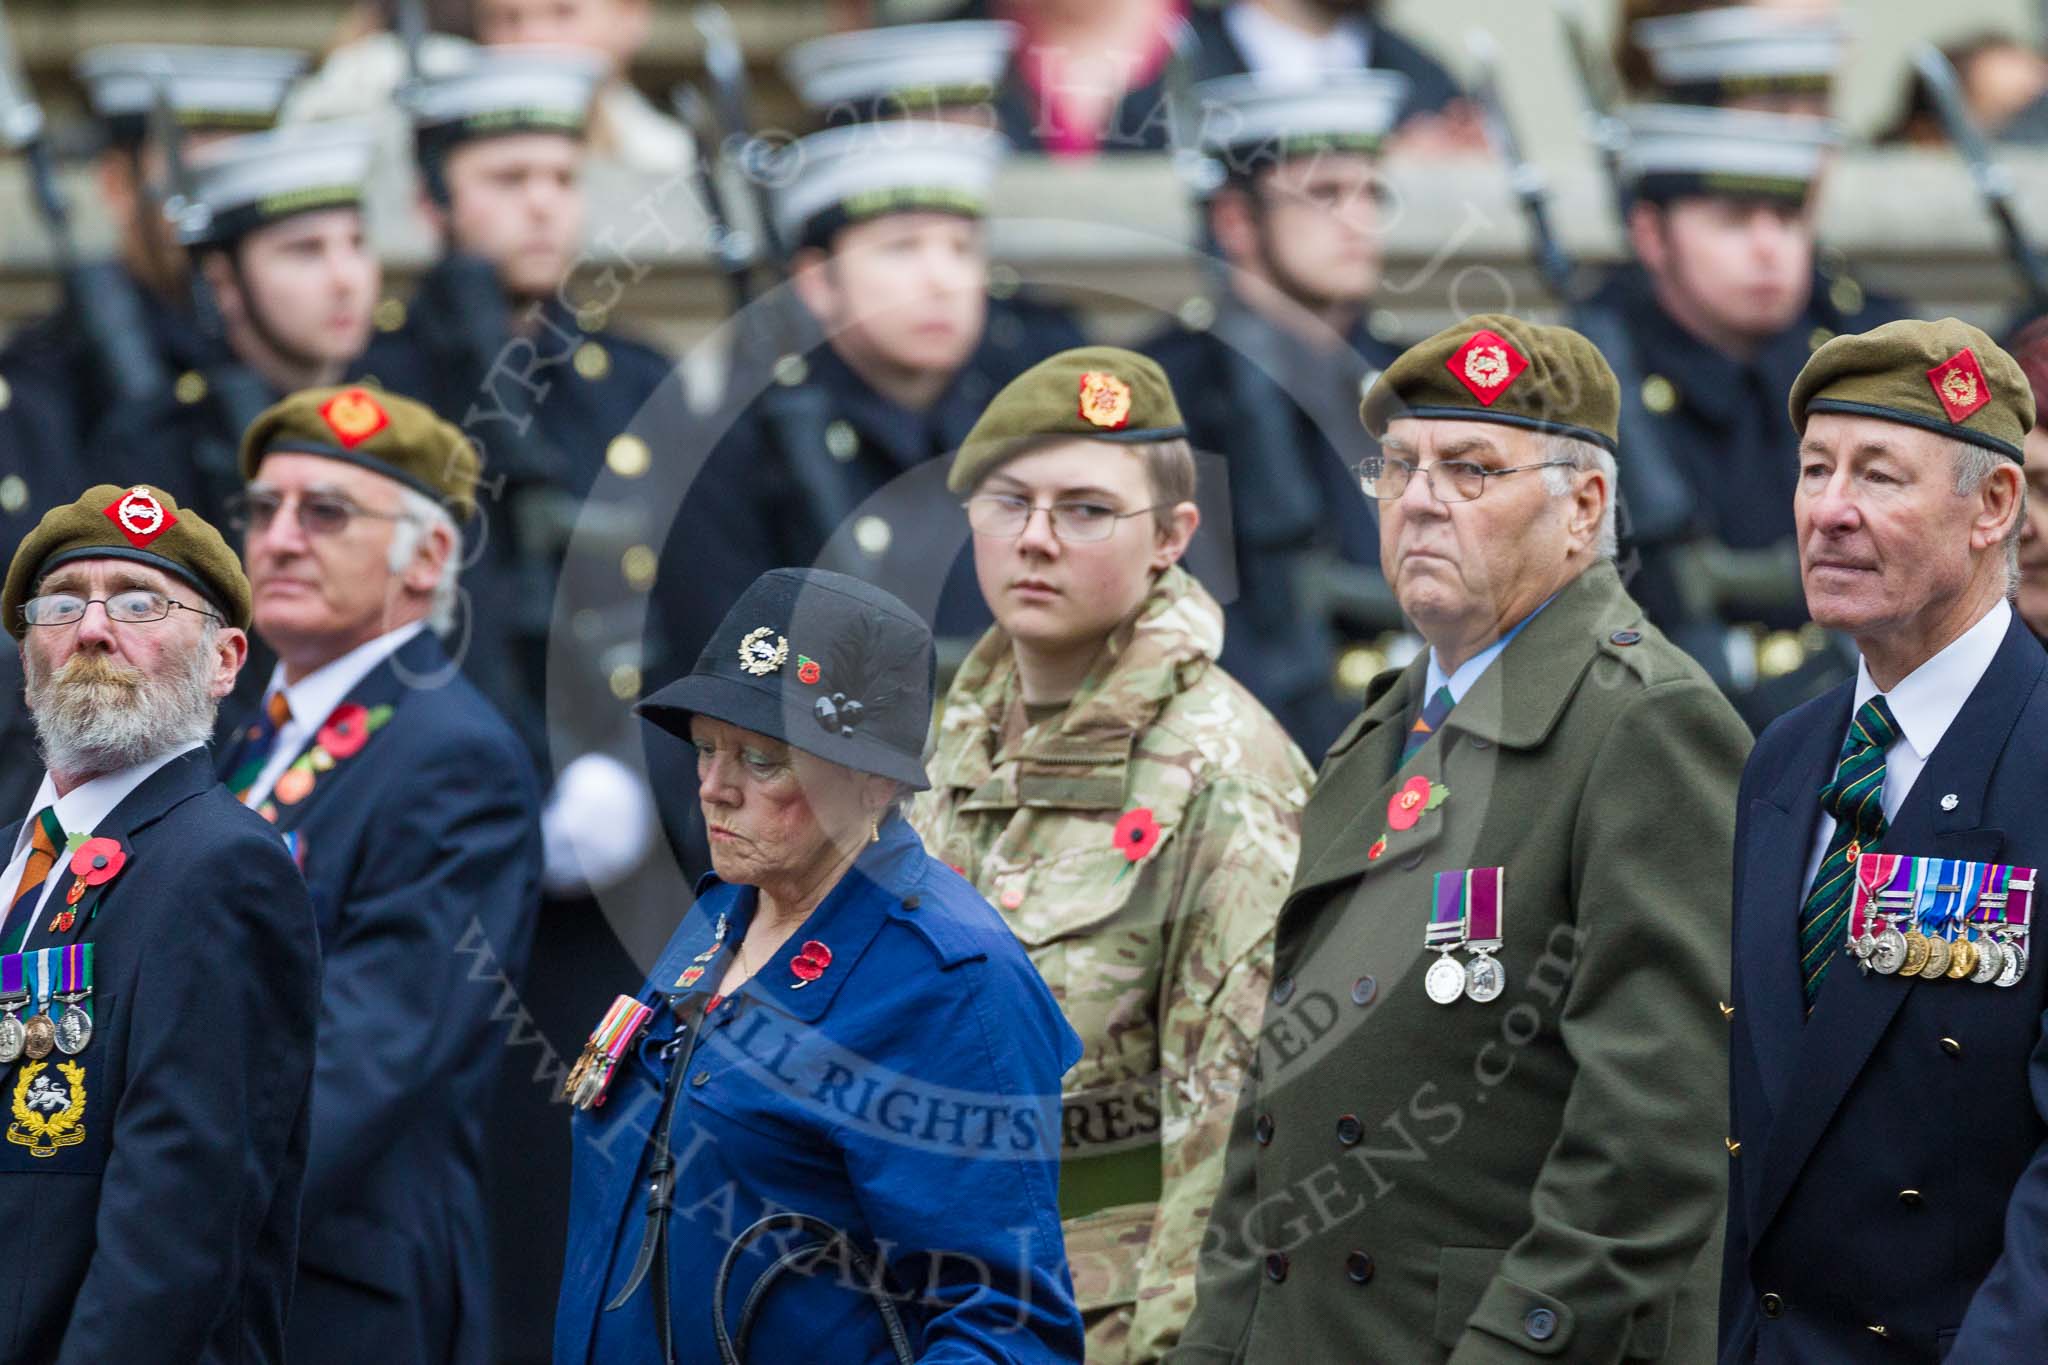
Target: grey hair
<point x="1584" y="457"/>
<point x="421" y="514"/>
<point x="1974" y="464"/>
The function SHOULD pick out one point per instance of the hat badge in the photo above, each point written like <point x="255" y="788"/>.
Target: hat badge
<point x="762" y="651"/>
<point x="140" y="516"/>
<point x="354" y="417"/>
<point x="1105" y="400"/>
<point x="1959" y="384"/>
<point x="1486" y="364"/>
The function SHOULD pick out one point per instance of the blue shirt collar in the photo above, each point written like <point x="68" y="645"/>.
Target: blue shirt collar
<point x="1460" y="681"/>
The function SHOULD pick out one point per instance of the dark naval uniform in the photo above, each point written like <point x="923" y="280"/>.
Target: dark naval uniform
<point x="37" y="472"/>
<point x="422" y="851"/>
<point x="1306" y="540"/>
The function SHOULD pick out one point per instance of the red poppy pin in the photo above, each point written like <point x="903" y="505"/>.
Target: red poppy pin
<point x="1405" y="807"/>
<point x="807" y="671"/>
<point x="1137" y="833"/>
<point x="1379" y="846"/>
<point x="346" y="731"/>
<point x="810" y="963"/>
<point x="96" y="861"/>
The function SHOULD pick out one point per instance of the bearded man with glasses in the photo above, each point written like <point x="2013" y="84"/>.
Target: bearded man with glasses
<point x="159" y="964"/>
<point x="414" y="812"/>
<point x="1131" y="810"/>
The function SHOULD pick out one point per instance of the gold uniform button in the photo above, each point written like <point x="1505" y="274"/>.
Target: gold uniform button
<point x="389" y="315"/>
<point x="1734" y="1147"/>
<point x="190" y="388"/>
<point x="1727" y="1010"/>
<point x="592" y="361"/>
<point x="13" y="493"/>
<point x="842" y="442"/>
<point x="1197" y="314"/>
<point x="1910" y="1198"/>
<point x="1952" y="1047"/>
<point x="625" y="682"/>
<point x="1781" y="653"/>
<point x="6" y="394"/>
<point x="1846" y="295"/>
<point x="1358" y="666"/>
<point x="874" y="536"/>
<point x="638" y="564"/>
<point x="628" y="456"/>
<point x="1876" y="1329"/>
<point x="1660" y="395"/>
<point x="1004" y="282"/>
<point x="592" y="319"/>
<point x="1818" y="337"/>
<point x="791" y="371"/>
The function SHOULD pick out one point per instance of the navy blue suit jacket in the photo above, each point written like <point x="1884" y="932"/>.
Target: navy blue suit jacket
<point x="422" y="851"/>
<point x="1893" y="1166"/>
<point x="167" y="1234"/>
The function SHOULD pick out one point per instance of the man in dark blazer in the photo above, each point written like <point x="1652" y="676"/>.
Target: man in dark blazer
<point x="413" y="811"/>
<point x="1504" y="1150"/>
<point x="159" y="966"/>
<point x="1888" y="1146"/>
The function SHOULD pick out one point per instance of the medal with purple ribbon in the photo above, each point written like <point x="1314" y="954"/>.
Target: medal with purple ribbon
<point x="74" y="1026"/>
<point x="13" y="995"/>
<point x="1485" y="978"/>
<point x="1445" y="980"/>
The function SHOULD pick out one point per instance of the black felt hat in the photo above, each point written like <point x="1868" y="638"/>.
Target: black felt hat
<point x="821" y="661"/>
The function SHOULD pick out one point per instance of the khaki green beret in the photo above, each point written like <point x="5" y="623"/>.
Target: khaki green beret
<point x="393" y="436"/>
<point x="1098" y="392"/>
<point x="142" y="524"/>
<point x="1943" y="376"/>
<point x="1496" y="368"/>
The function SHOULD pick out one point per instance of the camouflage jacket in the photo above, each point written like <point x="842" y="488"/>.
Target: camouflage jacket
<point x="1140" y="844"/>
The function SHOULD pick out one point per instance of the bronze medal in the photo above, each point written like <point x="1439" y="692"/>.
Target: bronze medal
<point x="40" y="1037"/>
<point x="1937" y="957"/>
<point x="1916" y="954"/>
<point x="1962" y="959"/>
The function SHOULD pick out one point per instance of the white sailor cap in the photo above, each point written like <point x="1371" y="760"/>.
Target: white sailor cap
<point x="208" y="88"/>
<point x="249" y="182"/>
<point x="861" y="171"/>
<point x="512" y="88"/>
<point x="906" y="68"/>
<point x="1676" y="150"/>
<point x="1719" y="54"/>
<point x="1254" y="120"/>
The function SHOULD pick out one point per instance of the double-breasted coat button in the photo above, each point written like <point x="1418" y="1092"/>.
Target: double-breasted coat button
<point x="1364" y="991"/>
<point x="1772" y="1305"/>
<point x="1540" y="1324"/>
<point x="1479" y="742"/>
<point x="1283" y="990"/>
<point x="1350" y="1130"/>
<point x="1952" y="1047"/>
<point x="1276" y="1267"/>
<point x="1412" y="861"/>
<point x="1263" y="1129"/>
<point x="1910" y="1198"/>
<point x="1358" y="1267"/>
<point x="1626" y="637"/>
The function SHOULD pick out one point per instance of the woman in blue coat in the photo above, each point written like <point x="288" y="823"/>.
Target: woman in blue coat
<point x="841" y="1083"/>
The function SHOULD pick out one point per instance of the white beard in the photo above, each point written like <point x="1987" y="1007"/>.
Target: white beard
<point x="94" y="716"/>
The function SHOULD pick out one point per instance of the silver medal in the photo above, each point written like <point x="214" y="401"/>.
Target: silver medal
<point x="1890" y="953"/>
<point x="1445" y="981"/>
<point x="74" y="1031"/>
<point x="2015" y="965"/>
<point x="1990" y="961"/>
<point x="13" y="1037"/>
<point x="1485" y="979"/>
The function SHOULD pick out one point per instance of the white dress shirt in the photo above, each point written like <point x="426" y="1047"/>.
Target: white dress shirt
<point x="1924" y="703"/>
<point x="1272" y="46"/>
<point x="78" y="811"/>
<point x="313" y="699"/>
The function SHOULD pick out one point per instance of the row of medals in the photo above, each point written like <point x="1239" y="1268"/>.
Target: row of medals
<point x="1998" y="958"/>
<point x="40" y="1035"/>
<point x="1481" y="979"/>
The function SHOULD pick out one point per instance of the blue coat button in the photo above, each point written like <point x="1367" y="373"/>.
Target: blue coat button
<point x="1540" y="1324"/>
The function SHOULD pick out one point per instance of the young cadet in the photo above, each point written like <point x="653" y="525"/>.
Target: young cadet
<point x="279" y="236"/>
<point x="137" y="335"/>
<point x="1271" y="379"/>
<point x="1131" y="810"/>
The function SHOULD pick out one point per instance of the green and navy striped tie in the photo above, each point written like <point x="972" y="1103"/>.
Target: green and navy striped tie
<point x="1856" y="799"/>
<point x="1433" y="712"/>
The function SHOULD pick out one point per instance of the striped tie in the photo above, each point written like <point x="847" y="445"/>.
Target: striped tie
<point x="261" y="737"/>
<point x="43" y="846"/>
<point x="1433" y="712"/>
<point x="1856" y="799"/>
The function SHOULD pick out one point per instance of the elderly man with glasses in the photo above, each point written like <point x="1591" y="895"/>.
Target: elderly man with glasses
<point x="1485" y="1122"/>
<point x="159" y="965"/>
<point x="413" y="811"/>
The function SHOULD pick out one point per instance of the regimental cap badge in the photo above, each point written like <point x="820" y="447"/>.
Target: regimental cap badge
<point x="1959" y="384"/>
<point x="762" y="651"/>
<point x="140" y="516"/>
<point x="1486" y="365"/>
<point x="354" y="417"/>
<point x="1105" y="400"/>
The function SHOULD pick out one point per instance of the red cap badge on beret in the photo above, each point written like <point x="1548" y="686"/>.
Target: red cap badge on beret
<point x="1486" y="365"/>
<point x="140" y="516"/>
<point x="1959" y="384"/>
<point x="1105" y="400"/>
<point x="354" y="417"/>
